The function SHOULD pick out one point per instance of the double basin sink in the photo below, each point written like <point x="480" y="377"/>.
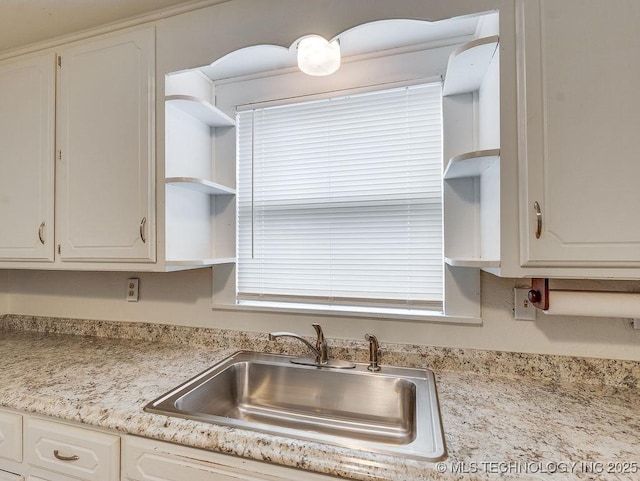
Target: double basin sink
<point x="393" y="411"/>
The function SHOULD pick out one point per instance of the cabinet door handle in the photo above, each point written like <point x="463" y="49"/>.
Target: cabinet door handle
<point x="143" y="223"/>
<point x="536" y="207"/>
<point x="65" y="458"/>
<point x="41" y="233"/>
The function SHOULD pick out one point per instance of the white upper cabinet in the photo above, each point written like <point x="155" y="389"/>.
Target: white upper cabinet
<point x="105" y="133"/>
<point x="579" y="131"/>
<point x="27" y="103"/>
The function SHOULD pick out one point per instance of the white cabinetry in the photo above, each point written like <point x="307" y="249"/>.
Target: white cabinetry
<point x="27" y="111"/>
<point x="61" y="451"/>
<point x="10" y="437"/>
<point x="10" y="446"/>
<point x="6" y="476"/>
<point x="471" y="149"/>
<point x="105" y="122"/>
<point x="72" y="451"/>
<point x="56" y="478"/>
<point x="88" y="135"/>
<point x="200" y="201"/>
<point x="471" y="102"/>
<point x="79" y="146"/>
<point x="147" y="460"/>
<point x="579" y="111"/>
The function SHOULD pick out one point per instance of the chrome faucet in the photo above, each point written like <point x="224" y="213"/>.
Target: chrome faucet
<point x="373" y="352"/>
<point x="319" y="350"/>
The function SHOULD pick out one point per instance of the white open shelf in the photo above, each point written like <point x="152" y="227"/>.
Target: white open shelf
<point x="471" y="115"/>
<point x="472" y="262"/>
<point x="187" y="263"/>
<point x="200" y="185"/>
<point x="201" y="109"/>
<point x="199" y="213"/>
<point x="468" y="65"/>
<point x="471" y="164"/>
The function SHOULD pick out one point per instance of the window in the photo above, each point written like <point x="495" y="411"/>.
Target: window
<point x="340" y="201"/>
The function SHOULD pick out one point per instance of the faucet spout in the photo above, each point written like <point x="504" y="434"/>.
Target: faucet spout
<point x="275" y="335"/>
<point x="373" y="352"/>
<point x="320" y="350"/>
<point x="321" y="344"/>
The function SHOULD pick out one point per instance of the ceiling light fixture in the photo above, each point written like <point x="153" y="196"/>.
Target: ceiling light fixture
<point x="318" y="57"/>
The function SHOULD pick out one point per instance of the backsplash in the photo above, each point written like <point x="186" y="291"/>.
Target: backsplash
<point x="542" y="367"/>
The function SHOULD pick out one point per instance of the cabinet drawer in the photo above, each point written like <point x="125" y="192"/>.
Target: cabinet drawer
<point x="11" y="437"/>
<point x="77" y="452"/>
<point x="5" y="476"/>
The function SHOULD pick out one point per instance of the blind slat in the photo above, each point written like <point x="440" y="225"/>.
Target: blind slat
<point x="342" y="199"/>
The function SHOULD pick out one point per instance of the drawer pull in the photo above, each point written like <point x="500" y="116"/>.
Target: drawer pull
<point x="143" y="224"/>
<point x="536" y="207"/>
<point x="41" y="233"/>
<point x="65" y="458"/>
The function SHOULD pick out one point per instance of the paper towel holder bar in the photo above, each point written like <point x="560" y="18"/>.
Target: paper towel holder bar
<point x="538" y="295"/>
<point x="584" y="303"/>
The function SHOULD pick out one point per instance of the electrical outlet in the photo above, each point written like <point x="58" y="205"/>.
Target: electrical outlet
<point x="524" y="310"/>
<point x="132" y="290"/>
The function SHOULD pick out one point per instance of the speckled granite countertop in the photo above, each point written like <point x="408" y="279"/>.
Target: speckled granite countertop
<point x="505" y="416"/>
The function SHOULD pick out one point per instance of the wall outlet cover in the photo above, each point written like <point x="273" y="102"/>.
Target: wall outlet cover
<point x="132" y="290"/>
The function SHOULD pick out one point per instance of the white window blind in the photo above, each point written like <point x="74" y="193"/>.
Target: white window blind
<point x="340" y="200"/>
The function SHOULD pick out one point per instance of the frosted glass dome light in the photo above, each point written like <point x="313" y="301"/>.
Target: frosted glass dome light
<point x="318" y="57"/>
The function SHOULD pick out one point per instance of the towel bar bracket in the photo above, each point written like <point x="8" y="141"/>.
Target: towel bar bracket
<point x="539" y="293"/>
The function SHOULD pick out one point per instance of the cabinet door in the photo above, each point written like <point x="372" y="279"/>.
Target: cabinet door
<point x="11" y="437"/>
<point x="27" y="104"/>
<point x="39" y="478"/>
<point x="147" y="460"/>
<point x="106" y="148"/>
<point x="6" y="476"/>
<point x="579" y="125"/>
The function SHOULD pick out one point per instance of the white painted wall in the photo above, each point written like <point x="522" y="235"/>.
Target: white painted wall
<point x="184" y="298"/>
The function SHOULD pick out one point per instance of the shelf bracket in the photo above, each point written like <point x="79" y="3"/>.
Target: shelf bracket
<point x="538" y="295"/>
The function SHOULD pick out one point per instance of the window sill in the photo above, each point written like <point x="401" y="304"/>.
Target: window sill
<point x="347" y="311"/>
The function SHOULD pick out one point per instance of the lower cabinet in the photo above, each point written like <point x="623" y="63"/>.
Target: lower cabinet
<point x="10" y="437"/>
<point x="37" y="449"/>
<point x="33" y="448"/>
<point x="72" y="451"/>
<point x="10" y="446"/>
<point x="49" y="478"/>
<point x="148" y="460"/>
<point x="7" y="476"/>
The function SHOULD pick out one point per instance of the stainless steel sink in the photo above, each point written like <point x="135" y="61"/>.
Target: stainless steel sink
<point x="392" y="411"/>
